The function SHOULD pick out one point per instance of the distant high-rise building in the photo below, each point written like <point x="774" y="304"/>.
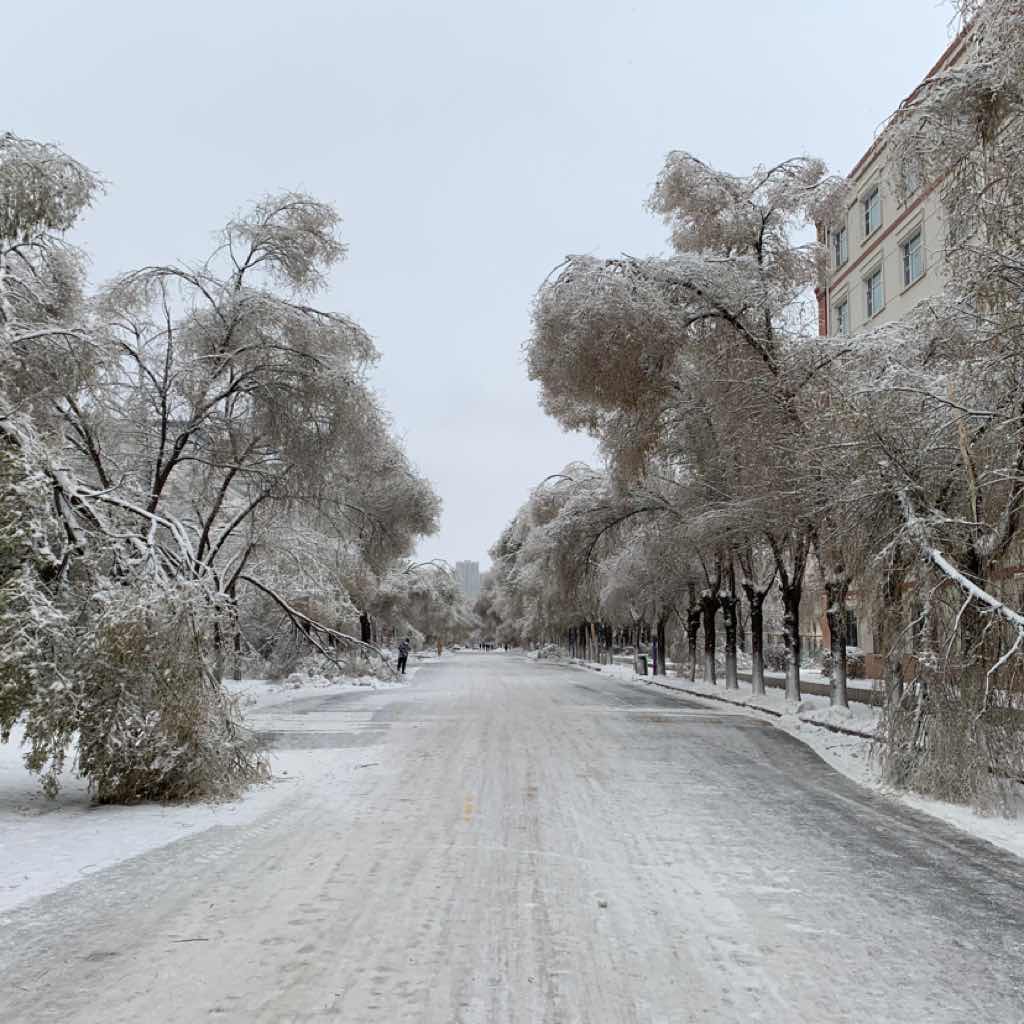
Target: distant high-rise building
<point x="468" y="575"/>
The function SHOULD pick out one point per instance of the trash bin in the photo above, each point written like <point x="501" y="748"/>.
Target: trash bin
<point x="641" y="664"/>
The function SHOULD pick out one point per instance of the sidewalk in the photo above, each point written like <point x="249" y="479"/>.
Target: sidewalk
<point x="812" y="683"/>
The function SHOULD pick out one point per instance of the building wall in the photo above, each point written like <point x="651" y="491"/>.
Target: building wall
<point x="881" y="247"/>
<point x="468" y="575"/>
<point x="906" y="230"/>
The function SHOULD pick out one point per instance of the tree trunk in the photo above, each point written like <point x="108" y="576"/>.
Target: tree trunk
<point x="236" y="639"/>
<point x="218" y="648"/>
<point x="365" y="630"/>
<point x="973" y="630"/>
<point x="891" y="623"/>
<point x="836" y="588"/>
<point x="692" y="629"/>
<point x="708" y="607"/>
<point x="791" y="637"/>
<point x="728" y="604"/>
<point x="661" y="667"/>
<point x="755" y="602"/>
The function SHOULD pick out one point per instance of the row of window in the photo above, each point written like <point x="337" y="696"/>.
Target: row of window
<point x="873" y="284"/>
<point x="871" y="219"/>
<point x="870" y="205"/>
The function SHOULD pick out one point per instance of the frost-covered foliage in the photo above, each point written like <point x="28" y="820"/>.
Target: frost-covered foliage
<point x="43" y="190"/>
<point x="653" y="356"/>
<point x="31" y="621"/>
<point x="589" y="564"/>
<point x="926" y="417"/>
<point x="423" y="599"/>
<point x="154" y="722"/>
<point x="111" y="654"/>
<point x="892" y="464"/>
<point x="188" y="461"/>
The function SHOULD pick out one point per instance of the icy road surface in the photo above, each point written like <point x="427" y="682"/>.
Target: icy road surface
<point x="508" y="841"/>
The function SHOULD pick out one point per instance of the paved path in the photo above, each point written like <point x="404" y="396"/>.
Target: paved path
<point x="535" y="844"/>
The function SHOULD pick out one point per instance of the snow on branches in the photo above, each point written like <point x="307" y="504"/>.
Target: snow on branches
<point x="177" y="455"/>
<point x="887" y="468"/>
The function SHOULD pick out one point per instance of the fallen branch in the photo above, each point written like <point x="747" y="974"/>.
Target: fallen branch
<point x="311" y="624"/>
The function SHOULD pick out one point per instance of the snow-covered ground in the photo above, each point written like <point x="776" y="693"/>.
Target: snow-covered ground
<point x="510" y="841"/>
<point x="256" y="694"/>
<point x="47" y="844"/>
<point x="815" y="723"/>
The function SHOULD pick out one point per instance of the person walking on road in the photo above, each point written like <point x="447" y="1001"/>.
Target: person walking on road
<point x="403" y="654"/>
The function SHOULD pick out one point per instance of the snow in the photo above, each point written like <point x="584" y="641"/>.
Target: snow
<point x="852" y="755"/>
<point x="537" y="844"/>
<point x="813" y="721"/>
<point x="47" y="844"/>
<point x="256" y="694"/>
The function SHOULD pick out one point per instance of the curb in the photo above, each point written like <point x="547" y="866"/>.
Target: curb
<point x="766" y="711"/>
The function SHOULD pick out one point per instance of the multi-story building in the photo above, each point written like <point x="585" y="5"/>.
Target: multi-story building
<point x="885" y="257"/>
<point x="468" y="575"/>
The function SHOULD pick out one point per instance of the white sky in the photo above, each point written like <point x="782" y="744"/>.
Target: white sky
<point x="469" y="146"/>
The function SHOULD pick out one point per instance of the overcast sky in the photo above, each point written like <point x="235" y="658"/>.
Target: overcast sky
<point x="469" y="146"/>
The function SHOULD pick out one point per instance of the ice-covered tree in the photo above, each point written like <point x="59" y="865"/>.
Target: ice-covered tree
<point x="194" y="431"/>
<point x="622" y="347"/>
<point x="927" y="415"/>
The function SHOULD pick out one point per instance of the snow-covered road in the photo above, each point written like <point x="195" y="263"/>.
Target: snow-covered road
<point x="509" y="841"/>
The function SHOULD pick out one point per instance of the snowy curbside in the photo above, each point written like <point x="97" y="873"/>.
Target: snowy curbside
<point x="847" y="749"/>
<point x="711" y="696"/>
<point x="806" y="712"/>
<point x="813" y="718"/>
<point x="47" y="844"/>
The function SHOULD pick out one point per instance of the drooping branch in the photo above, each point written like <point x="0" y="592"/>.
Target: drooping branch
<point x="917" y="531"/>
<point x="307" y="623"/>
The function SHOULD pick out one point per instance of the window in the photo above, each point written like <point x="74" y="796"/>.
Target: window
<point x="872" y="204"/>
<point x="913" y="259"/>
<point x="840" y="247"/>
<point x="873" y="298"/>
<point x="841" y="319"/>
<point x="852" y="632"/>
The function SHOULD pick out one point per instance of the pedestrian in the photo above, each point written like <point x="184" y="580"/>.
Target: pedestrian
<point x="440" y="647"/>
<point x="403" y="654"/>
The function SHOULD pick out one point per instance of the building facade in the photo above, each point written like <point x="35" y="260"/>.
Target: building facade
<point x="468" y="575"/>
<point x="887" y="255"/>
<point x="884" y="258"/>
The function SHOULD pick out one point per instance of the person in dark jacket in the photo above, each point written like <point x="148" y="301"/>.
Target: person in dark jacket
<point x="403" y="654"/>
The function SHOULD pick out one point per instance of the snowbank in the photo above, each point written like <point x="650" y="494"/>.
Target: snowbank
<point x="256" y="694"/>
<point x="47" y="844"/>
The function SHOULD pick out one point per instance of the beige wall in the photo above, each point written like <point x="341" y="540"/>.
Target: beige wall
<point x="883" y="249"/>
